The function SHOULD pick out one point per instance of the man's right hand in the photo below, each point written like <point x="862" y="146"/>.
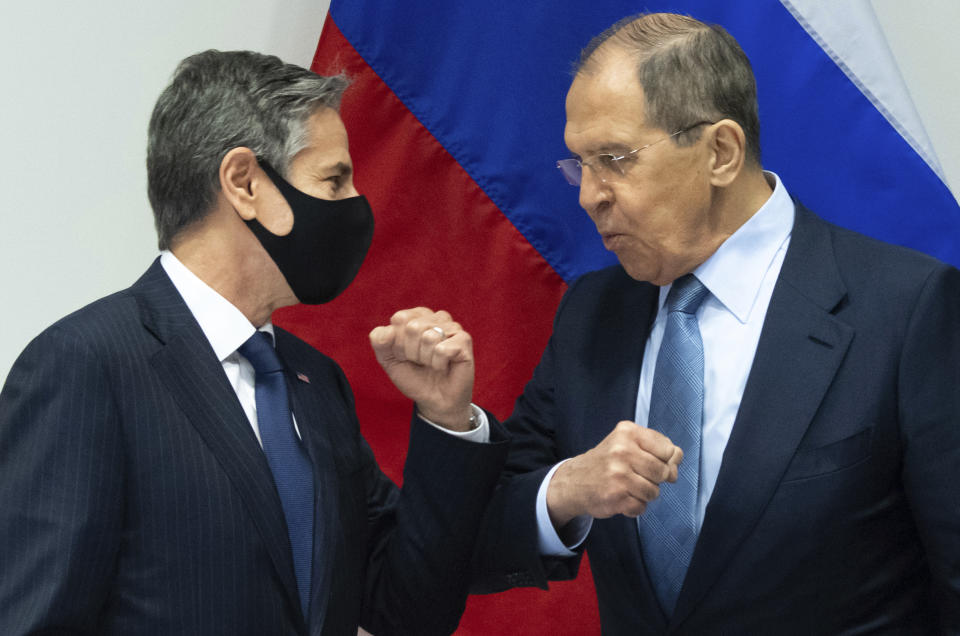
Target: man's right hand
<point x="620" y="475"/>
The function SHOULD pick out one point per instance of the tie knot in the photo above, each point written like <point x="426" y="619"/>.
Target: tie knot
<point x="258" y="349"/>
<point x="686" y="294"/>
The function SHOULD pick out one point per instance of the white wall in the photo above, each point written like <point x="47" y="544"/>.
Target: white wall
<point x="923" y="38"/>
<point x="80" y="80"/>
<point x="79" y="83"/>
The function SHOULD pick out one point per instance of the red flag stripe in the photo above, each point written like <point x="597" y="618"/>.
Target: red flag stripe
<point x="439" y="242"/>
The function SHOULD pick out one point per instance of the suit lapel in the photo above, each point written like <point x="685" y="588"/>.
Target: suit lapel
<point x="615" y="351"/>
<point x="800" y="349"/>
<point x="194" y="377"/>
<point x="617" y="347"/>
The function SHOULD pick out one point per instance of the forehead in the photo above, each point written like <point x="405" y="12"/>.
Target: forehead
<point x="326" y="137"/>
<point x="605" y="106"/>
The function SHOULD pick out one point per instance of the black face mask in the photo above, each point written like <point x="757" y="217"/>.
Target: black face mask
<point x="329" y="240"/>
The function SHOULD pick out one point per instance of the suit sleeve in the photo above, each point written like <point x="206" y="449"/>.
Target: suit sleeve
<point x="60" y="489"/>
<point x="930" y="425"/>
<point x="421" y="537"/>
<point x="508" y="553"/>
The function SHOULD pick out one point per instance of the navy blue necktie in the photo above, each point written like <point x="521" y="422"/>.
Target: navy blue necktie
<point x="288" y="460"/>
<point x="668" y="527"/>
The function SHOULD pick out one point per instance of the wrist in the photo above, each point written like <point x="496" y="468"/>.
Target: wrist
<point x="461" y="421"/>
<point x="559" y="507"/>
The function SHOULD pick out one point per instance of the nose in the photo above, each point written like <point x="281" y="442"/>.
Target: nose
<point x="594" y="193"/>
<point x="350" y="190"/>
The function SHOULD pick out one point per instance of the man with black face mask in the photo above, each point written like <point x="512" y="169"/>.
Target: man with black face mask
<point x="170" y="462"/>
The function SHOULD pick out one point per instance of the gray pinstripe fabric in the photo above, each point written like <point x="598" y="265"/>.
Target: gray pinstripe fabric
<point x="135" y="498"/>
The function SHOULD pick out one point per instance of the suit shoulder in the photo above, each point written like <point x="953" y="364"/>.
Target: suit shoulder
<point x="602" y="289"/>
<point x="609" y="280"/>
<point x="302" y="355"/>
<point x="878" y="285"/>
<point x="84" y="344"/>
<point x="99" y="324"/>
<point x="893" y="274"/>
<point x="869" y="253"/>
<point x="600" y="299"/>
<point x="294" y="345"/>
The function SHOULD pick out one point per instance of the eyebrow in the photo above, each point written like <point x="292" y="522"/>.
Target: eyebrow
<point x="340" y="168"/>
<point x="612" y="148"/>
<point x="606" y="149"/>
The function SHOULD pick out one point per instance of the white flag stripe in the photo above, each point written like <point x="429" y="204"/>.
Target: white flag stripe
<point x="851" y="35"/>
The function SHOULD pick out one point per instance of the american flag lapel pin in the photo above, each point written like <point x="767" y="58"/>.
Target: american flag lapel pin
<point x="303" y="377"/>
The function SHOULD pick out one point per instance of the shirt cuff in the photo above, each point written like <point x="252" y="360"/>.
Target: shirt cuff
<point x="573" y="534"/>
<point x="480" y="434"/>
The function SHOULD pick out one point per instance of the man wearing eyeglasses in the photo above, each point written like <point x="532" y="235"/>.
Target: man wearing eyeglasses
<point x="752" y="424"/>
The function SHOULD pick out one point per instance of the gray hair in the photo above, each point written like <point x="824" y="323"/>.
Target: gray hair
<point x="218" y="101"/>
<point x="689" y="71"/>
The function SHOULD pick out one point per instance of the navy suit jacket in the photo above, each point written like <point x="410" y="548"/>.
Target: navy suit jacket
<point x="837" y="505"/>
<point x="135" y="498"/>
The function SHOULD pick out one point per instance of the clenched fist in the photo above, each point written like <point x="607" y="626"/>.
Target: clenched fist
<point x="620" y="475"/>
<point x="429" y="357"/>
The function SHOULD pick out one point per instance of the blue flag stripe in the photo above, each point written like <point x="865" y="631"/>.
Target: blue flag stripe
<point x="488" y="80"/>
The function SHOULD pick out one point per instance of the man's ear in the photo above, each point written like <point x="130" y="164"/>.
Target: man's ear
<point x="238" y="176"/>
<point x="728" y="151"/>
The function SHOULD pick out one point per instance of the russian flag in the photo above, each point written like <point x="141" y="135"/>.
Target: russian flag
<point x="456" y="119"/>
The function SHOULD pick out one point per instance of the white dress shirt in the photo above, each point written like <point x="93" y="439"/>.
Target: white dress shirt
<point x="226" y="328"/>
<point x="740" y="277"/>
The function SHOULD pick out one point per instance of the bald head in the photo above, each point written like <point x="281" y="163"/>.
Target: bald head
<point x="689" y="71"/>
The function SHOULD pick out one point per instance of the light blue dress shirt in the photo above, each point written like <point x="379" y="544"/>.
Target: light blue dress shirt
<point x="740" y="276"/>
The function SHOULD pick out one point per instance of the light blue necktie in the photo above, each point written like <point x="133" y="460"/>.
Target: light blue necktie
<point x="668" y="527"/>
<point x="288" y="460"/>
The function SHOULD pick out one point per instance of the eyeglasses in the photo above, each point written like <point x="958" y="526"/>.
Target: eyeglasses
<point x="609" y="166"/>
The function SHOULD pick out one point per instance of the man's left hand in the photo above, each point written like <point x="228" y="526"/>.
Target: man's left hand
<point x="429" y="357"/>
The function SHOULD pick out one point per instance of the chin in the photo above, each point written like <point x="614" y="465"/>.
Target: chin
<point x="643" y="266"/>
<point x="642" y="274"/>
<point x="649" y="275"/>
<point x="659" y="272"/>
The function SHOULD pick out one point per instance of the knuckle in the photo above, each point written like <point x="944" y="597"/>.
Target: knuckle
<point x="415" y="326"/>
<point x="622" y="483"/>
<point x="616" y="469"/>
<point x="610" y="501"/>
<point x="653" y="491"/>
<point x="616" y="474"/>
<point x="647" y="437"/>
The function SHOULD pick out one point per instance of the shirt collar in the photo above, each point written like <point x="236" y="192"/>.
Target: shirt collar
<point x="735" y="272"/>
<point x="222" y="323"/>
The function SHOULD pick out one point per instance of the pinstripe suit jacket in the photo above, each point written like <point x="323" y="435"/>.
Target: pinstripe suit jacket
<point x="135" y="498"/>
